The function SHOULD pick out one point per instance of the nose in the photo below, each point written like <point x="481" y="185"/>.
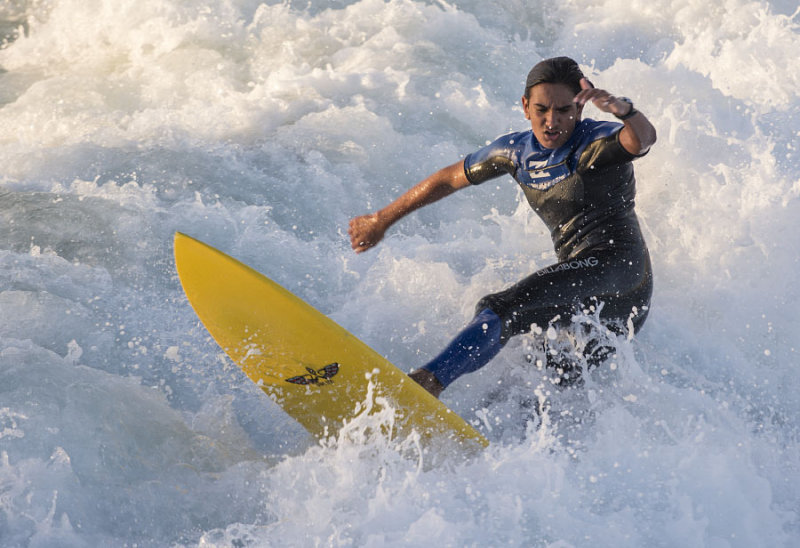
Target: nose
<point x="550" y="118"/>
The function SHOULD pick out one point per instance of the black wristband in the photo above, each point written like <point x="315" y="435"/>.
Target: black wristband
<point x="632" y="112"/>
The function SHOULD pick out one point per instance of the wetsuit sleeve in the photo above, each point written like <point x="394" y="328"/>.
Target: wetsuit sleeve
<point x="605" y="152"/>
<point x="490" y="161"/>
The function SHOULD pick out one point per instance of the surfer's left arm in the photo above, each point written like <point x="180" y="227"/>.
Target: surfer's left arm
<point x="638" y="135"/>
<point x="367" y="230"/>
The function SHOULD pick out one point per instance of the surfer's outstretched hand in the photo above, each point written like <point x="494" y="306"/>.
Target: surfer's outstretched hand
<point x="365" y="232"/>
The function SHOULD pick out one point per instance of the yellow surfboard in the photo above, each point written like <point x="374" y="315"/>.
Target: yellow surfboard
<point x="308" y="364"/>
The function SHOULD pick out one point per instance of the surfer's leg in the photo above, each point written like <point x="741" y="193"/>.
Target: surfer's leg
<point x="470" y="350"/>
<point x="621" y="282"/>
<point x="537" y="299"/>
<point x="548" y="297"/>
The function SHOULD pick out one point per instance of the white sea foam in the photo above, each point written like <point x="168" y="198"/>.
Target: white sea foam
<point x="262" y="127"/>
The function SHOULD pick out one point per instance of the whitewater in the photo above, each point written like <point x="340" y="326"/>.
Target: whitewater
<point x="262" y="127"/>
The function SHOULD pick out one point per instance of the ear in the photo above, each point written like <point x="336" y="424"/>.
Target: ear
<point x="525" y="104"/>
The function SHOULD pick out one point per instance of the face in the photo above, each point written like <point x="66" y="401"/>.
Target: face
<point x="552" y="113"/>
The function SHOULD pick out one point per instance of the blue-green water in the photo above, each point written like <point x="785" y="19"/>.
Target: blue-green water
<point x="262" y="128"/>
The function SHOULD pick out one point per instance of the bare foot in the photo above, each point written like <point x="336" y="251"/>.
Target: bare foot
<point x="428" y="381"/>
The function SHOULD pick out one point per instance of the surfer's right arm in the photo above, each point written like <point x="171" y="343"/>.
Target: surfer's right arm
<point x="367" y="230"/>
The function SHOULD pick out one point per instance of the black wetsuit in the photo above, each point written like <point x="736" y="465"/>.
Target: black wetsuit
<point x="584" y="192"/>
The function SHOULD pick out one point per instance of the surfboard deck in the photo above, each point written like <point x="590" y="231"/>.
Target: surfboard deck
<point x="308" y="364"/>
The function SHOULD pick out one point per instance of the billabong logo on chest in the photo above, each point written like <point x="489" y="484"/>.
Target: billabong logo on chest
<point x="542" y="176"/>
<point x="317" y="376"/>
<point x="536" y="164"/>
<point x="545" y="180"/>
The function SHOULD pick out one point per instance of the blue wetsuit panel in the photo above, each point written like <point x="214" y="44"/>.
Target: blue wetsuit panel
<point x="584" y="190"/>
<point x="532" y="165"/>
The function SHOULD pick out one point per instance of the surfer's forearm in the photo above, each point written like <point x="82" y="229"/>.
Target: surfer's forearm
<point x="431" y="189"/>
<point x="638" y="135"/>
<point x="367" y="230"/>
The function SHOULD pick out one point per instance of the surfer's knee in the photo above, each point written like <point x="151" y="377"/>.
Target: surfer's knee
<point x="496" y="306"/>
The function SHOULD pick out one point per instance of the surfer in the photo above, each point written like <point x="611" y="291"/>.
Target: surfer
<point x="578" y="177"/>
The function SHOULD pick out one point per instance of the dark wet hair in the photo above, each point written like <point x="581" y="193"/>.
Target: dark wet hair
<point x="557" y="70"/>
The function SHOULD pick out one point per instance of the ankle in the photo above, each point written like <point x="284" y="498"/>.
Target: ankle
<point x="428" y="381"/>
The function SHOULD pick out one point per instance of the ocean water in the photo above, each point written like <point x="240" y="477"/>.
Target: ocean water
<point x="261" y="127"/>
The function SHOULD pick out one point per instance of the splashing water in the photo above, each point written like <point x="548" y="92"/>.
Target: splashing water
<point x="262" y="127"/>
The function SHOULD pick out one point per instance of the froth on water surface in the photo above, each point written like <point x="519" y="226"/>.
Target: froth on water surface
<point x="261" y="128"/>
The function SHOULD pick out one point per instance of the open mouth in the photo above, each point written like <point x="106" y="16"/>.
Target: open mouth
<point x="552" y="134"/>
